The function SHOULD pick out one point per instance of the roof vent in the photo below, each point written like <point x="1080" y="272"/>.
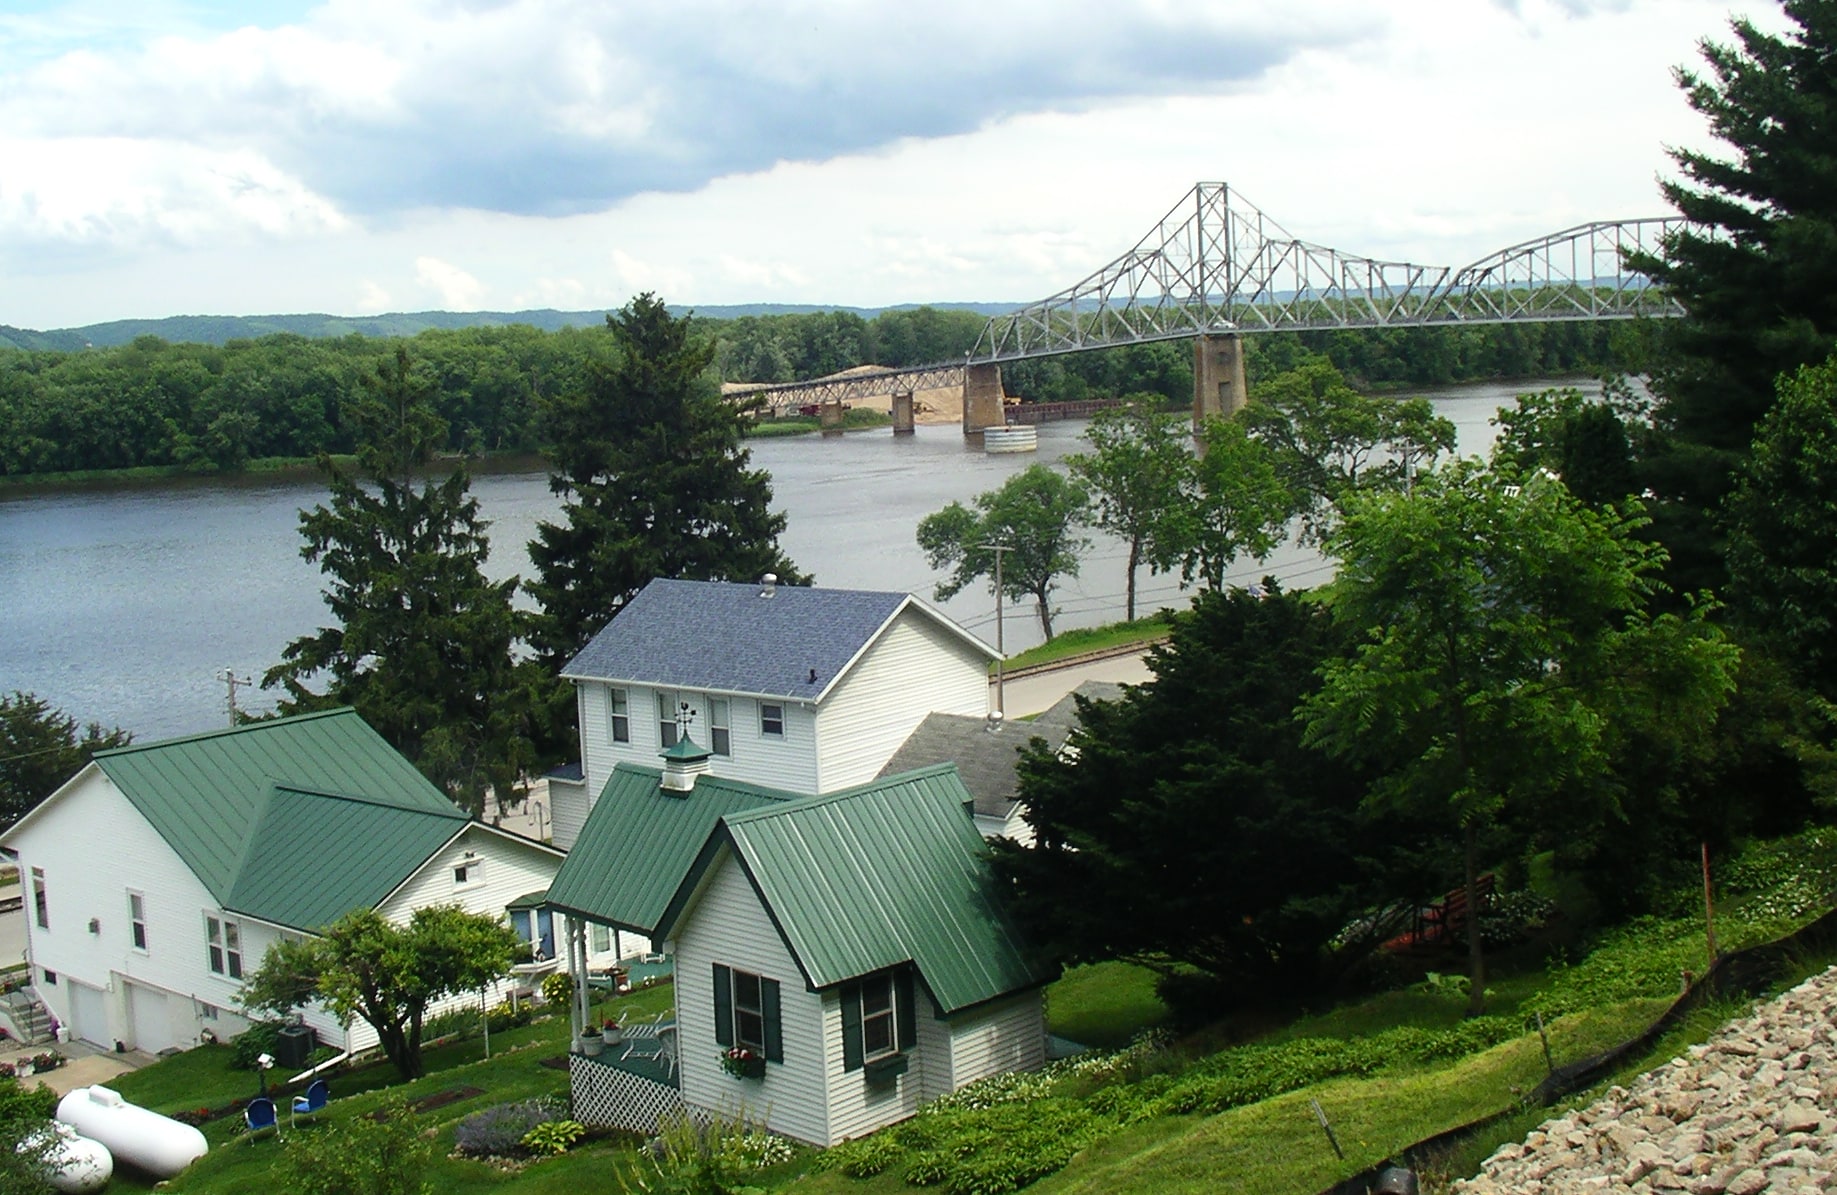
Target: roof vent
<point x="812" y="679"/>
<point x="994" y="724"/>
<point x="769" y="586"/>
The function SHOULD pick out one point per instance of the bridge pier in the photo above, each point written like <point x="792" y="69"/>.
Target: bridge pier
<point x="982" y="399"/>
<point x="903" y="413"/>
<point x="830" y="418"/>
<point x="1218" y="378"/>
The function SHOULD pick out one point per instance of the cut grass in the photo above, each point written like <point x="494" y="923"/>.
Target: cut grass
<point x="1067" y="644"/>
<point x="1104" y="1005"/>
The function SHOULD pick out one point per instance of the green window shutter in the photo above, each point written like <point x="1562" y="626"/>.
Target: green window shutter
<point x="904" y="1011"/>
<point x="723" y="1005"/>
<point x="774" y="1031"/>
<point x="851" y="1026"/>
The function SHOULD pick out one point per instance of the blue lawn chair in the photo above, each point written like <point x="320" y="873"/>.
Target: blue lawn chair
<point x="310" y="1103"/>
<point x="260" y="1116"/>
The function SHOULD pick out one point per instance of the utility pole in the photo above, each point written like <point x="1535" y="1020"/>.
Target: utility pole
<point x="1001" y="652"/>
<point x="228" y="677"/>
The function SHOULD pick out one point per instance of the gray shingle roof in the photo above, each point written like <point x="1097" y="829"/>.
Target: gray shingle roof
<point x="986" y="759"/>
<point x="723" y="637"/>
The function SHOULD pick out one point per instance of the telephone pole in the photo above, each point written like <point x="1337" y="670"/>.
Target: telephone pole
<point x="1001" y="652"/>
<point x="228" y="677"/>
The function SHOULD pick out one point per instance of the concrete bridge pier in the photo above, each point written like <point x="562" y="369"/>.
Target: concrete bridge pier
<point x="1218" y="378"/>
<point x="982" y="399"/>
<point x="903" y="413"/>
<point x="832" y="416"/>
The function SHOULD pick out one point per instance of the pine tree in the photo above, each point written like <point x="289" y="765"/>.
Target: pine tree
<point x="422" y="642"/>
<point x="648" y="460"/>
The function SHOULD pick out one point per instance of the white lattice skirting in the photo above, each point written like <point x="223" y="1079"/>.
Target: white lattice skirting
<point x="606" y="1096"/>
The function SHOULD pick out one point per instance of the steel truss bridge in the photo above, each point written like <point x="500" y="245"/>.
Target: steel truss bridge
<point x="1217" y="266"/>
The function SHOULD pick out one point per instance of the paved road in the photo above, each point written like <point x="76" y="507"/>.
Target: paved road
<point x="1036" y="692"/>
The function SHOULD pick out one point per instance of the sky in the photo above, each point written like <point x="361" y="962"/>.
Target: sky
<point x="238" y="157"/>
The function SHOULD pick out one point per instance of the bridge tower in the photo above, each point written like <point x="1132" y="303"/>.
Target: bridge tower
<point x="1218" y="377"/>
<point x="982" y="399"/>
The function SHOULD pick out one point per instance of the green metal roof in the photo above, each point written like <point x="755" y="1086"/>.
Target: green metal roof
<point x="885" y="873"/>
<point x="296" y="821"/>
<point x="639" y="841"/>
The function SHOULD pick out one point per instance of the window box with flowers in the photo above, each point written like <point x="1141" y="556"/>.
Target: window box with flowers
<point x="742" y="1063"/>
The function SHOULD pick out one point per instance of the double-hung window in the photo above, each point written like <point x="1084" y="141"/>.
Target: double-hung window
<point x="772" y="720"/>
<point x="41" y="900"/>
<point x="666" y="720"/>
<point x="746" y="1013"/>
<point x="720" y="734"/>
<point x="223" y="937"/>
<point x="878" y="1018"/>
<point x="619" y="707"/>
<point x="137" y="920"/>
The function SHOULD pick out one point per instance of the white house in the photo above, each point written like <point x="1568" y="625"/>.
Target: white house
<point x="158" y="875"/>
<point x="851" y="944"/>
<point x="801" y="689"/>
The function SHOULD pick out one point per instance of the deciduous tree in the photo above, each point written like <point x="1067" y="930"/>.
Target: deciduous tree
<point x="1035" y="515"/>
<point x="1137" y="478"/>
<point x="363" y="967"/>
<point x="1506" y="648"/>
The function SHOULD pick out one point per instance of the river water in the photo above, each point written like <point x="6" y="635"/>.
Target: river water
<point x="121" y="605"/>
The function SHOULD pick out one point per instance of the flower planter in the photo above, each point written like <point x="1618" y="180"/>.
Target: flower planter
<point x="591" y="1044"/>
<point x="751" y="1068"/>
<point x="612" y="1035"/>
<point x="885" y="1070"/>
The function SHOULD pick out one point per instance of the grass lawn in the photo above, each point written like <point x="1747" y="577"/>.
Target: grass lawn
<point x="1103" y="1005"/>
<point x="1076" y="642"/>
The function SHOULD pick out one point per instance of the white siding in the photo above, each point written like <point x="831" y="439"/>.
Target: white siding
<point x="568" y="806"/>
<point x="932" y="1066"/>
<point x="787" y="761"/>
<point x="726" y="925"/>
<point x="914" y="668"/>
<point x="92" y="816"/>
<point x="857" y="1107"/>
<point x="1007" y="1035"/>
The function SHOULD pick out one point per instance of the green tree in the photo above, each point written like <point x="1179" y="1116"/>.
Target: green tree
<point x="1755" y="268"/>
<point x="1585" y="442"/>
<point x="1236" y="503"/>
<point x="1137" y="479"/>
<point x="1506" y="652"/>
<point x="381" y="1154"/>
<point x="363" y="967"/>
<point x="1192" y="828"/>
<point x="654" y="482"/>
<point x="40" y="748"/>
<point x="1034" y="515"/>
<point x="1783" y="528"/>
<point x="422" y="644"/>
<point x="1330" y="442"/>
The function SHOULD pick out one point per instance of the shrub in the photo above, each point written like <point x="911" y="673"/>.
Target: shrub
<point x="557" y="989"/>
<point x="687" y="1159"/>
<point x="553" y="1136"/>
<point x="458" y="1022"/>
<point x="498" y="1131"/>
<point x="261" y="1037"/>
<point x="506" y="1016"/>
<point x="360" y="1155"/>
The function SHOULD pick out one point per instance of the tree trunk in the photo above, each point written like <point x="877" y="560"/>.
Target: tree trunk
<point x="1135" y="558"/>
<point x="1045" y="615"/>
<point x="1476" y="959"/>
<point x="403" y="1052"/>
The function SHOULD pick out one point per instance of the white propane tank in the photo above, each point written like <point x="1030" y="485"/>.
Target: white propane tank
<point x="77" y="1163"/>
<point x="157" y="1144"/>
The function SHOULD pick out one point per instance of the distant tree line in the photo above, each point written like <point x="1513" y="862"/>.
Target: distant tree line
<point x="209" y="408"/>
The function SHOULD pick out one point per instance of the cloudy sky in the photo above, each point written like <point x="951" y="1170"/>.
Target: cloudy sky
<point x="162" y="157"/>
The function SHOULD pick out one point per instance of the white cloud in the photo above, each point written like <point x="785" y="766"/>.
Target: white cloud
<point x="371" y="298"/>
<point x="458" y="290"/>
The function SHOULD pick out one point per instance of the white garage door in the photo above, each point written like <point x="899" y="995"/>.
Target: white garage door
<point x="90" y="1008"/>
<point x="147" y="1013"/>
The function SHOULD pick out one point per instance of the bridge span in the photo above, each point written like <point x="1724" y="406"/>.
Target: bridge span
<point x="1215" y="268"/>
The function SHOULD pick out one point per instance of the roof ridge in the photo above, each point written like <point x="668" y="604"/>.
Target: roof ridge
<point x="724" y="783"/>
<point x="452" y="814"/>
<point x="225" y="732"/>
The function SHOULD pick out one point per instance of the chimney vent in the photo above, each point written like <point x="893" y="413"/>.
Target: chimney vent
<point x="994" y="725"/>
<point x="770" y="585"/>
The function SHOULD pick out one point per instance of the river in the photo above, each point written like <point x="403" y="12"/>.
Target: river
<point x="121" y="605"/>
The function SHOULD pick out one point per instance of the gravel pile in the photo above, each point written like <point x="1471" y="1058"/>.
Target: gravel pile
<point x="1745" y="1113"/>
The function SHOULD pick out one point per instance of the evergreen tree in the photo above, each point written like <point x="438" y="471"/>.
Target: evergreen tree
<point x="40" y="748"/>
<point x="422" y="642"/>
<point x="654" y="481"/>
<point x="1756" y="271"/>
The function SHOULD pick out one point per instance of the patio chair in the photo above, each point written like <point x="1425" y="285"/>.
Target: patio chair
<point x="260" y="1116"/>
<point x="309" y="1103"/>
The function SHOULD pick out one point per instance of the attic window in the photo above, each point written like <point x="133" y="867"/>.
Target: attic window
<point x="469" y="872"/>
<point x="772" y="720"/>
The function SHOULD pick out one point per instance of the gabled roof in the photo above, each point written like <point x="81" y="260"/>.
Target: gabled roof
<point x="295" y="821"/>
<point x="986" y="758"/>
<point x="639" y="841"/>
<point x="875" y="876"/>
<point x="728" y="638"/>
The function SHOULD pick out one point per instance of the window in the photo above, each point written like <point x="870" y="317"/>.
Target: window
<point x="720" y="741"/>
<point x="137" y="920"/>
<point x="537" y="931"/>
<point x="878" y="1019"/>
<point x="41" y="907"/>
<point x="621" y="715"/>
<point x="746" y="1013"/>
<point x="600" y="938"/>
<point x="468" y="871"/>
<point x="772" y="720"/>
<point x="206" y="1012"/>
<point x="51" y="977"/>
<point x="224" y="938"/>
<point x="666" y="721"/>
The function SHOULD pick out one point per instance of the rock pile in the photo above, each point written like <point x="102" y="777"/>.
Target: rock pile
<point x="1744" y="1113"/>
